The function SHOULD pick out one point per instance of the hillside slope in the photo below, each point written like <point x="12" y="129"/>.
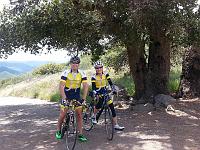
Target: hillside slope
<point x="42" y="87"/>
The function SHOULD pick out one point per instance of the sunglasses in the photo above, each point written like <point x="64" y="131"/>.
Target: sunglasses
<point x="98" y="67"/>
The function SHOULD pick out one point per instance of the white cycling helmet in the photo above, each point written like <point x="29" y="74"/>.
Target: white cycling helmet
<point x="98" y="64"/>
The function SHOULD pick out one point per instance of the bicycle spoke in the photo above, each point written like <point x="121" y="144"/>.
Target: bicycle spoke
<point x="71" y="134"/>
<point x="109" y="124"/>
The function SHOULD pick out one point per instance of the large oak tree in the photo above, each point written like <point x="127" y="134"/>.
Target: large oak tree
<point x="147" y="28"/>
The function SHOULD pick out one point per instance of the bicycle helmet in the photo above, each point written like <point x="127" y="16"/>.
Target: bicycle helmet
<point x="98" y="64"/>
<point x="75" y="60"/>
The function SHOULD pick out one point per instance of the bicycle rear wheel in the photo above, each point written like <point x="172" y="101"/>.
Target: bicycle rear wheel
<point x="109" y="126"/>
<point x="71" y="133"/>
<point x="87" y="119"/>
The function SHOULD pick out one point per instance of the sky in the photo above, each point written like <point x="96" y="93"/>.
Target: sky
<point x="55" y="56"/>
<point x="2" y="3"/>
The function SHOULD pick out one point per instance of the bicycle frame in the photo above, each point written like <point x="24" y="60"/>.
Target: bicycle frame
<point x="106" y="97"/>
<point x="108" y="121"/>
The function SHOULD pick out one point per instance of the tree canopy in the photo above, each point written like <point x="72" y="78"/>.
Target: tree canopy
<point x="81" y="24"/>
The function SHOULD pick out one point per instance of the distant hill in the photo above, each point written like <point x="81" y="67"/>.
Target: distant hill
<point x="13" y="68"/>
<point x="5" y="75"/>
<point x="18" y="66"/>
<point x="9" y="70"/>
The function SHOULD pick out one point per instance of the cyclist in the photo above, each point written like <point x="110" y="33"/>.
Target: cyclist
<point x="99" y="82"/>
<point x="69" y="88"/>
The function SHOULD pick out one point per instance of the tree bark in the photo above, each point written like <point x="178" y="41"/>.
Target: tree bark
<point x="152" y="79"/>
<point x="190" y="78"/>
<point x="137" y="65"/>
<point x="158" y="65"/>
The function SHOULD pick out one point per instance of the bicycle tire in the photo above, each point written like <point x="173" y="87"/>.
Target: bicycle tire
<point x="71" y="133"/>
<point x="63" y="130"/>
<point x="87" y="119"/>
<point x="109" y="126"/>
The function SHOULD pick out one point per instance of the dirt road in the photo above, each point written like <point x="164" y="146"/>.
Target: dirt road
<point x="29" y="124"/>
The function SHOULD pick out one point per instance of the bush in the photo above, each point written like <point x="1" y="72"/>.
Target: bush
<point x="50" y="68"/>
<point x="55" y="97"/>
<point x="126" y="82"/>
<point x="174" y="80"/>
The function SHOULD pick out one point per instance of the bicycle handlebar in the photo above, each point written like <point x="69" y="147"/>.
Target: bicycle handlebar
<point x="106" y="94"/>
<point x="74" y="102"/>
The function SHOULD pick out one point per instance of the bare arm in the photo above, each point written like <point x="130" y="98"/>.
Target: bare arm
<point x="61" y="89"/>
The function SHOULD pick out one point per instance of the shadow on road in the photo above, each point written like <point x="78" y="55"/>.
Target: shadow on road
<point x="32" y="127"/>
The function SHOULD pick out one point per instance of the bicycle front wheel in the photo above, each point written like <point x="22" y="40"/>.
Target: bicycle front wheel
<point x="87" y="119"/>
<point x="109" y="126"/>
<point x="71" y="133"/>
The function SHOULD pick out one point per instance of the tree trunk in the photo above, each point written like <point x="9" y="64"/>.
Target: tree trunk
<point x="152" y="79"/>
<point x="137" y="65"/>
<point x="190" y="78"/>
<point x="158" y="66"/>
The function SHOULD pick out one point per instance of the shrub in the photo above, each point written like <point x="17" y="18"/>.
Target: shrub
<point x="35" y="95"/>
<point x="126" y="82"/>
<point x="174" y="80"/>
<point x="50" y="68"/>
<point x="55" y="97"/>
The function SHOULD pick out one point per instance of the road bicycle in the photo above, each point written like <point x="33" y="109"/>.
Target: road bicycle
<point x="69" y="126"/>
<point x="107" y="118"/>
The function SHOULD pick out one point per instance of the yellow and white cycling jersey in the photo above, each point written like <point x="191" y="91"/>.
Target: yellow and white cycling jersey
<point x="73" y="80"/>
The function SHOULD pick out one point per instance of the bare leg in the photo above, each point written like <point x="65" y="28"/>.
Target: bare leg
<point x="79" y="120"/>
<point x="115" y="120"/>
<point x="95" y="111"/>
<point x="61" y="118"/>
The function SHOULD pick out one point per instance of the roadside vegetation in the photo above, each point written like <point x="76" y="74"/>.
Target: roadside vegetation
<point x="43" y="82"/>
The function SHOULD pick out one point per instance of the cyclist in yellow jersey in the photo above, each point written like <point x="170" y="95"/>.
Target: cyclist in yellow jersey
<point x="99" y="82"/>
<point x="69" y="88"/>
